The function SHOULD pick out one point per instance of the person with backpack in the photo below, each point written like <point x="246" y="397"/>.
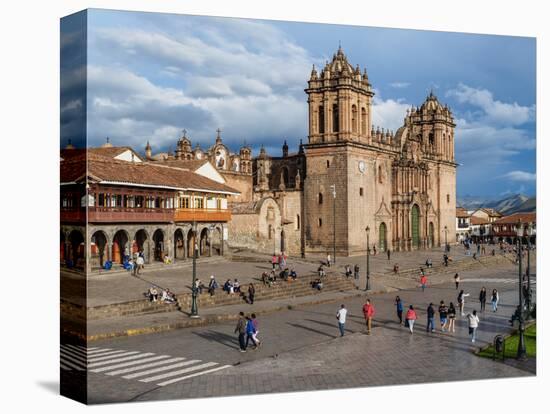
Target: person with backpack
<point x="473" y="323"/>
<point x="368" y="312"/>
<point x="241" y="330"/>
<point x="250" y="331"/>
<point x="430" y="325"/>
<point x="399" y="308"/>
<point x="410" y="318"/>
<point x="494" y="300"/>
<point x="451" y="316"/>
<point x="460" y="299"/>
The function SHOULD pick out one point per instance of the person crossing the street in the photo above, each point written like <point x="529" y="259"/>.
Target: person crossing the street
<point x="341" y="316"/>
<point x="443" y="311"/>
<point x="482" y="299"/>
<point x="451" y="316"/>
<point x="411" y="318"/>
<point x="423" y="280"/>
<point x="240" y="329"/>
<point x="430" y="326"/>
<point x="460" y="299"/>
<point x="368" y="312"/>
<point x="399" y="308"/>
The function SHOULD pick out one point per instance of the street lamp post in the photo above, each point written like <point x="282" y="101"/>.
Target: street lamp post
<point x="528" y="271"/>
<point x="521" y="354"/>
<point x="368" y="257"/>
<point x="194" y="306"/>
<point x="333" y="187"/>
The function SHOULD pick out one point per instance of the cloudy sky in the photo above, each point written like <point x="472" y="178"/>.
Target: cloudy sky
<point x="150" y="76"/>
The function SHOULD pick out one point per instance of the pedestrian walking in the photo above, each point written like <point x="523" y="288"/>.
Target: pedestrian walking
<point x="430" y="326"/>
<point x="482" y="299"/>
<point x="240" y="329"/>
<point x="368" y="312"/>
<point x="457" y="280"/>
<point x="443" y="311"/>
<point x="328" y="260"/>
<point x="410" y="318"/>
<point x="256" y="331"/>
<point x="374" y="249"/>
<point x="250" y="331"/>
<point x="423" y="281"/>
<point x="140" y="261"/>
<point x="356" y="272"/>
<point x="348" y="270"/>
<point x="399" y="308"/>
<point x="251" y="293"/>
<point x="389" y="254"/>
<point x="341" y="316"/>
<point x="460" y="299"/>
<point x="473" y="322"/>
<point x="451" y="316"/>
<point x="494" y="300"/>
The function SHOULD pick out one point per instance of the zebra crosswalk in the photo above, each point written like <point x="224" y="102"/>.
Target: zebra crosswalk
<point x="146" y="367"/>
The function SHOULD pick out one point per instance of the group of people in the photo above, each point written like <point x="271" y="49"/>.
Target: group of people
<point x="166" y="295"/>
<point x="350" y="273"/>
<point x="134" y="264"/>
<point x="368" y="313"/>
<point x="287" y="275"/>
<point x="279" y="260"/>
<point x="247" y="329"/>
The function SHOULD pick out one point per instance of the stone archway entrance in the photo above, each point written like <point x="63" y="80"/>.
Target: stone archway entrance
<point x="415" y="226"/>
<point x="216" y="240"/>
<point x="190" y="243"/>
<point x="142" y="244"/>
<point x="120" y="246"/>
<point x="179" y="245"/>
<point x="382" y="243"/>
<point x="158" y="240"/>
<point x="75" y="254"/>
<point x="204" y="243"/>
<point x="98" y="249"/>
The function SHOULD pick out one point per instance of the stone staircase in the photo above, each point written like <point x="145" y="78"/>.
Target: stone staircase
<point x="281" y="290"/>
<point x="456" y="267"/>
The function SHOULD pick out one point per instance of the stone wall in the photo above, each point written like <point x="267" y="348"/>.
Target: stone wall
<point x="240" y="182"/>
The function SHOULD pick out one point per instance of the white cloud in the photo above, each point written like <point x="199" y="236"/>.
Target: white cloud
<point x="495" y="111"/>
<point x="400" y="85"/>
<point x="389" y="114"/>
<point x="520" y="176"/>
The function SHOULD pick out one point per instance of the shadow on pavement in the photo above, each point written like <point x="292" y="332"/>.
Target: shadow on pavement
<point x="296" y="325"/>
<point x="219" y="337"/>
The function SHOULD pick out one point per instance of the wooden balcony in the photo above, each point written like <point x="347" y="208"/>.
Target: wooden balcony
<point x="73" y="216"/>
<point x="202" y="214"/>
<point x="129" y="215"/>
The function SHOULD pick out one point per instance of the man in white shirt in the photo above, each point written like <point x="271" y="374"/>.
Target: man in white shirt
<point x="139" y="263"/>
<point x="341" y="316"/>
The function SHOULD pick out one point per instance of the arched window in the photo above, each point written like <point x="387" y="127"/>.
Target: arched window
<point x="285" y="177"/>
<point x="297" y="222"/>
<point x="335" y="119"/>
<point x="364" y="121"/>
<point x="380" y="176"/>
<point x="431" y="138"/>
<point x="269" y="230"/>
<point x="320" y="198"/>
<point x="321" y="119"/>
<point x="353" y="119"/>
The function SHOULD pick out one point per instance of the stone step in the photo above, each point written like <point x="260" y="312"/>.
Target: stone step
<point x="281" y="290"/>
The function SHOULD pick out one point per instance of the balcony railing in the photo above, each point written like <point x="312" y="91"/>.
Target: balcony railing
<point x="129" y="215"/>
<point x="201" y="214"/>
<point x="463" y="225"/>
<point x="77" y="215"/>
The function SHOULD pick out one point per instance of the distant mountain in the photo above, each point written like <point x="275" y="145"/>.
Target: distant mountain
<point x="513" y="203"/>
<point x="509" y="204"/>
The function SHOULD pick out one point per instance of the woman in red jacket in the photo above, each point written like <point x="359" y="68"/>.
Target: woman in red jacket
<point x="368" y="312"/>
<point x="410" y="318"/>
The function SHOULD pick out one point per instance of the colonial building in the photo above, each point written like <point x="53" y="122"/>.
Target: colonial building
<point x="401" y="186"/>
<point x="112" y="208"/>
<point x="505" y="228"/>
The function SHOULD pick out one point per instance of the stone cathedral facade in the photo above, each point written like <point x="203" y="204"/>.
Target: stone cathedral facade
<point x="401" y="185"/>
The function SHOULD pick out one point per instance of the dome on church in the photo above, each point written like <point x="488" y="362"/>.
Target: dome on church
<point x="431" y="103"/>
<point x="340" y="64"/>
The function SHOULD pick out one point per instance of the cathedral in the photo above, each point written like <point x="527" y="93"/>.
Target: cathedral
<point x="349" y="181"/>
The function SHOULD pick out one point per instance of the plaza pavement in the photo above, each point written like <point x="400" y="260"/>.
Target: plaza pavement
<point x="302" y="350"/>
<point x="116" y="287"/>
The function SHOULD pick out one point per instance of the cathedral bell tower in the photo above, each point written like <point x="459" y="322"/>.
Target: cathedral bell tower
<point x="339" y="99"/>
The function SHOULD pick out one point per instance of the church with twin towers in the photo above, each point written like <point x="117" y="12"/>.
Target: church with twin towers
<point x="349" y="176"/>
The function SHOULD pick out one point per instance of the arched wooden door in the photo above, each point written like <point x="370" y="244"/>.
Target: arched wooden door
<point x="415" y="226"/>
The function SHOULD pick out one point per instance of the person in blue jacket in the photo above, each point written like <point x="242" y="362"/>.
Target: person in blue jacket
<point x="399" y="308"/>
<point x="250" y="331"/>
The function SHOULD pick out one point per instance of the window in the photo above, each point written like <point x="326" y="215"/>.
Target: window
<point x="321" y="120"/>
<point x="448" y="198"/>
<point x="361" y="191"/>
<point x="353" y="119"/>
<point x="380" y="175"/>
<point x="328" y="164"/>
<point x="297" y="222"/>
<point x="364" y="121"/>
<point x="199" y="202"/>
<point x="335" y="119"/>
<point x="269" y="230"/>
<point x="320" y="198"/>
<point x="320" y="222"/>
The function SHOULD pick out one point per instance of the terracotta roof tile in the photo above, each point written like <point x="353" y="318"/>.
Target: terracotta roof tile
<point x="514" y="218"/>
<point x="478" y="221"/>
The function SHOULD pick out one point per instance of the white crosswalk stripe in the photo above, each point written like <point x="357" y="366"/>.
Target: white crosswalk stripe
<point x="145" y="367"/>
